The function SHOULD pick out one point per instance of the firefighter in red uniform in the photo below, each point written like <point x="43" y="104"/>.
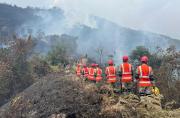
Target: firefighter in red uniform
<point x="85" y="72"/>
<point x="126" y="75"/>
<point x="78" y="70"/>
<point x="92" y="73"/>
<point x="111" y="73"/>
<point x="144" y="75"/>
<point x="98" y="73"/>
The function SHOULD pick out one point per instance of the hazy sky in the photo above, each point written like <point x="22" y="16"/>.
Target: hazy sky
<point x="159" y="16"/>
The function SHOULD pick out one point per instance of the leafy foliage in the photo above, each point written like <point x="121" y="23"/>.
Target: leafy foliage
<point x="40" y="66"/>
<point x="154" y="58"/>
<point x="63" y="49"/>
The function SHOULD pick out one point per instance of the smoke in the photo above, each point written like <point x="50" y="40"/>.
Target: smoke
<point x="74" y="16"/>
<point x="93" y="32"/>
<point x="55" y="2"/>
<point x="160" y="16"/>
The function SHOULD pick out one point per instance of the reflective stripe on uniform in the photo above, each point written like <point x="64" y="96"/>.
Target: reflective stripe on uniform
<point x="140" y="70"/>
<point x="149" y="70"/>
<point x="111" y="80"/>
<point x="109" y="74"/>
<point x="91" y="74"/>
<point x="99" y="72"/>
<point x="126" y="73"/>
<point x="123" y="71"/>
<point x="127" y="78"/>
<point x="144" y="82"/>
<point x="122" y="65"/>
<point x="141" y="76"/>
<point x="85" y="70"/>
<point x="78" y="71"/>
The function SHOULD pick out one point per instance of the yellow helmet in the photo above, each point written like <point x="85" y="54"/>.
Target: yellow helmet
<point x="155" y="90"/>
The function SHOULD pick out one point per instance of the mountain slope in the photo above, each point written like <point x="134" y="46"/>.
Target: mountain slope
<point x="112" y="37"/>
<point x="93" y="33"/>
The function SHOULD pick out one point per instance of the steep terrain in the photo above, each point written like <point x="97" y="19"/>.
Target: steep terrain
<point x="59" y="96"/>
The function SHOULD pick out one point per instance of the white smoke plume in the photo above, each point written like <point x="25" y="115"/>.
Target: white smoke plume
<point x="96" y="32"/>
<point x="73" y="16"/>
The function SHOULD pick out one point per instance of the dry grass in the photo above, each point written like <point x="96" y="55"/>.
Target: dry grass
<point x="68" y="96"/>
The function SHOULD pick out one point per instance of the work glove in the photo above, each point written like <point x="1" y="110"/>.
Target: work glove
<point x="137" y="76"/>
<point x="120" y="74"/>
<point x="135" y="80"/>
<point x="95" y="75"/>
<point x="151" y="78"/>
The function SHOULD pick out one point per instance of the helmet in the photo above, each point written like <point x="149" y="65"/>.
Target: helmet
<point x="110" y="62"/>
<point x="144" y="59"/>
<point x="93" y="64"/>
<point x="84" y="65"/>
<point x="125" y="58"/>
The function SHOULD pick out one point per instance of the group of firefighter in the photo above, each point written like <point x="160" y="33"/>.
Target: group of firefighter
<point x="143" y="77"/>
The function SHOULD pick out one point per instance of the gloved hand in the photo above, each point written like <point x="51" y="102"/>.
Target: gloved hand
<point x="137" y="76"/>
<point x="151" y="78"/>
<point x="120" y="74"/>
<point x="134" y="80"/>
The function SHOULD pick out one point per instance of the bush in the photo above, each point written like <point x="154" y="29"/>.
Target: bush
<point x="40" y="66"/>
<point x="63" y="48"/>
<point x="16" y="72"/>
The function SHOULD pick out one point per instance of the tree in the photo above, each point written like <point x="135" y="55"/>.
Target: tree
<point x="154" y="58"/>
<point x="100" y="53"/>
<point x="63" y="47"/>
<point x="58" y="55"/>
<point x="138" y="53"/>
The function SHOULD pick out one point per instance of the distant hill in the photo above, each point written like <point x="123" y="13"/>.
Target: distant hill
<point x="15" y="19"/>
<point x="117" y="40"/>
<point x="11" y="17"/>
<point x="110" y="37"/>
